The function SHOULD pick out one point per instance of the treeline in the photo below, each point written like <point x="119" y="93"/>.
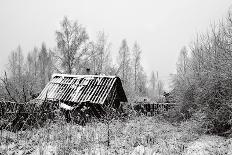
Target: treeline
<point x="203" y="83"/>
<point x="74" y="53"/>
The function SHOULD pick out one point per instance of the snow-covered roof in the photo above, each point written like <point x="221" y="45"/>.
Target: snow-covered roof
<point x="83" y="88"/>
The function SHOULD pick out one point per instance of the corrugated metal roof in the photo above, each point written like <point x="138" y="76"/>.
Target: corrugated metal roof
<point x="81" y="88"/>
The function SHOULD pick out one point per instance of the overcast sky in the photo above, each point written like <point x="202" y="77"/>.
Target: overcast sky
<point x="161" y="27"/>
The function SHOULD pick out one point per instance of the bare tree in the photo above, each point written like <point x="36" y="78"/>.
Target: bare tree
<point x="45" y="65"/>
<point x="153" y="83"/>
<point x="182" y="64"/>
<point x="16" y="84"/>
<point x="160" y="88"/>
<point x="70" y="39"/>
<point x="124" y="61"/>
<point x="136" y="62"/>
<point x="102" y="49"/>
<point x="142" y="82"/>
<point x="204" y="82"/>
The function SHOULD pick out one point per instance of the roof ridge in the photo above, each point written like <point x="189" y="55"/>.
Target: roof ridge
<point x="81" y="76"/>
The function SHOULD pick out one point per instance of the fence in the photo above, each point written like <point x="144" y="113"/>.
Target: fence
<point x="151" y="109"/>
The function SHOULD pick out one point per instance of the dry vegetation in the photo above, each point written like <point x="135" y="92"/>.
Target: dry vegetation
<point x="140" y="135"/>
<point x="202" y="86"/>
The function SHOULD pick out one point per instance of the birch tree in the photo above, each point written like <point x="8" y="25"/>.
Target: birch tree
<point x="70" y="40"/>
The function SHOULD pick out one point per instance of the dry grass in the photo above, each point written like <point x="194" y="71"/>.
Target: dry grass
<point x="141" y="135"/>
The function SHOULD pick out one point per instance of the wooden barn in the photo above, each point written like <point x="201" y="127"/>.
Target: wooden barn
<point x="89" y="92"/>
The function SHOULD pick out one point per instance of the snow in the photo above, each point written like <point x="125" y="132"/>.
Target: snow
<point x="66" y="107"/>
<point x="143" y="135"/>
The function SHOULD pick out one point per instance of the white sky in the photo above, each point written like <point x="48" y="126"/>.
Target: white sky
<point x="161" y="27"/>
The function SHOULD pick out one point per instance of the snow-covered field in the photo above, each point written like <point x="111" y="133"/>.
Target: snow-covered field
<point x="141" y="135"/>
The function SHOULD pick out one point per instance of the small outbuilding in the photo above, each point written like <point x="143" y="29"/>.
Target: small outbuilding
<point x="92" y="91"/>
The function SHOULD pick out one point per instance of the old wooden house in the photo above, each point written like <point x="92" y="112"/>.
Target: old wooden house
<point x="93" y="92"/>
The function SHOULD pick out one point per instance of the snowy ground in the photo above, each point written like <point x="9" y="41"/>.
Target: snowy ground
<point x="142" y="135"/>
